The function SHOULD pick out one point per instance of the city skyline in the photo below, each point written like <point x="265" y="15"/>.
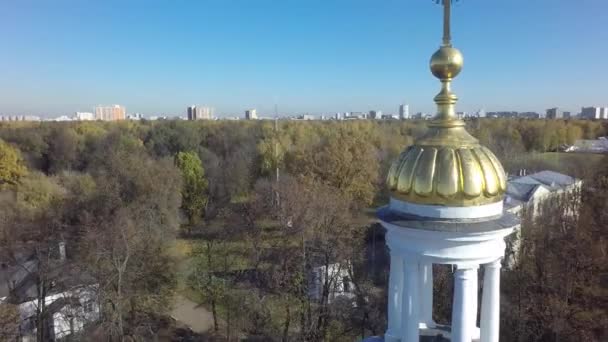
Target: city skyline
<point x="326" y="57"/>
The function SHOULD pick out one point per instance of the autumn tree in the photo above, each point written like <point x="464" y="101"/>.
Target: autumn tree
<point x="129" y="223"/>
<point x="63" y="149"/>
<point x="316" y="229"/>
<point x="12" y="167"/>
<point x="344" y="160"/>
<point x="32" y="227"/>
<point x="555" y="291"/>
<point x="194" y="186"/>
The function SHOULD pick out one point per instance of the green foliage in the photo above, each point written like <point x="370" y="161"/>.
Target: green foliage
<point x="194" y="185"/>
<point x="167" y="139"/>
<point x="36" y="192"/>
<point x="64" y="145"/>
<point x="12" y="167"/>
<point x="114" y="189"/>
<point x="344" y="159"/>
<point x="206" y="284"/>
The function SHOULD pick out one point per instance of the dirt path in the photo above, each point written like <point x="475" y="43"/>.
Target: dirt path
<point x="192" y="314"/>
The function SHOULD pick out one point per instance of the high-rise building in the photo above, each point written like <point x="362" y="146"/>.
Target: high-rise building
<point x="110" y="113"/>
<point x="604" y="113"/>
<point x="19" y="118"/>
<point x="191" y="113"/>
<point x="84" y="116"/>
<point x="591" y="113"/>
<point x="200" y="113"/>
<point x="375" y="114"/>
<point x="404" y="112"/>
<point x="251" y="114"/>
<point x="135" y="116"/>
<point x="554" y="113"/>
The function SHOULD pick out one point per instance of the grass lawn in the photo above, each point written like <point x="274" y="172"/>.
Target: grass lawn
<point x="558" y="159"/>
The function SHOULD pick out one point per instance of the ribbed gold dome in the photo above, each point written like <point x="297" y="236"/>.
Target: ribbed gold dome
<point x="447" y="174"/>
<point x="448" y="166"/>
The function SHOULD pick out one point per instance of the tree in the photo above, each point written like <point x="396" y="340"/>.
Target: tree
<point x="128" y="225"/>
<point x="194" y="186"/>
<point x="211" y="287"/>
<point x="316" y="228"/>
<point x="12" y="167"/>
<point x="64" y="145"/>
<point x="32" y="232"/>
<point x="555" y="291"/>
<point x="344" y="160"/>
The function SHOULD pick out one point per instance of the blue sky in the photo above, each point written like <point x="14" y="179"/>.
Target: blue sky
<point x="315" y="56"/>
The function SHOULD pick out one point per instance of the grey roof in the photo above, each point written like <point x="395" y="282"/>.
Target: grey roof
<point x="521" y="191"/>
<point x="522" y="188"/>
<point x="551" y="177"/>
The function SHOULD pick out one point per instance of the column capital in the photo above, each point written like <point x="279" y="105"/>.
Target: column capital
<point x="467" y="266"/>
<point x="494" y="264"/>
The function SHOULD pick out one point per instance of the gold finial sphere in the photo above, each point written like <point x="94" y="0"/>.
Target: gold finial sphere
<point x="446" y="63"/>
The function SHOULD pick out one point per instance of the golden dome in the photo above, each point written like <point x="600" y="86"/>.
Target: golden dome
<point x="435" y="173"/>
<point x="448" y="166"/>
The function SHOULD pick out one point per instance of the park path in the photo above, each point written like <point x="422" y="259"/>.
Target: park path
<point x="199" y="319"/>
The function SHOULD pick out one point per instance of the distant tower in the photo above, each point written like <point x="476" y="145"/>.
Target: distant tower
<point x="199" y="113"/>
<point x="251" y="114"/>
<point x="591" y="113"/>
<point x="404" y="112"/>
<point x="375" y="114"/>
<point x="554" y="113"/>
<point x="446" y="207"/>
<point x="110" y="113"/>
<point x="192" y="113"/>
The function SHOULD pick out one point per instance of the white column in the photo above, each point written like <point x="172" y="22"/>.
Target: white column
<point x="395" y="290"/>
<point x="464" y="297"/>
<point x="475" y="285"/>
<point x="490" y="303"/>
<point x="410" y="302"/>
<point x="426" y="295"/>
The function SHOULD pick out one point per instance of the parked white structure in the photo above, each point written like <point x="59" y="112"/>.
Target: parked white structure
<point x="338" y="278"/>
<point x="69" y="312"/>
<point x="70" y="300"/>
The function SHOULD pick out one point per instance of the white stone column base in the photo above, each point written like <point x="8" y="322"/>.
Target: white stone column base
<point x="390" y="337"/>
<point x="476" y="333"/>
<point x="427" y="325"/>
